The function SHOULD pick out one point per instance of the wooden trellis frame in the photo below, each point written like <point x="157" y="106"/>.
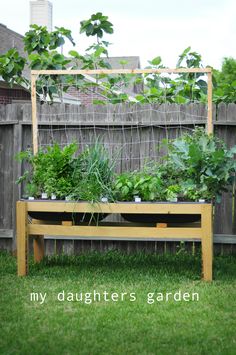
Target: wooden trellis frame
<point x="196" y="232"/>
<point x="201" y="232"/>
<point x="36" y="73"/>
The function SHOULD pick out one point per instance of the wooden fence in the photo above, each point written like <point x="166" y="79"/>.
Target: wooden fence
<point x="137" y="129"/>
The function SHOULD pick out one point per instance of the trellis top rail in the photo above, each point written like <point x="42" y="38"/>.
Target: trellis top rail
<point x="121" y="71"/>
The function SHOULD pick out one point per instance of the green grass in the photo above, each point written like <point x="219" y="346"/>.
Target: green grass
<point x="206" y="326"/>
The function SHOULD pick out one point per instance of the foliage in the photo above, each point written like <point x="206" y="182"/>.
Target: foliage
<point x="91" y="61"/>
<point x="172" y="192"/>
<point x="48" y="60"/>
<point x="203" y="162"/>
<point x="180" y="89"/>
<point x="189" y="59"/>
<point x="42" y="47"/>
<point x="39" y="39"/>
<point x="197" y="166"/>
<point x="93" y="174"/>
<point x="12" y="66"/>
<point x="54" y="170"/>
<point x="96" y="25"/>
<point x="225" y="82"/>
<point x="146" y="185"/>
<point x="138" y="183"/>
<point x="124" y="187"/>
<point x="51" y="170"/>
<point x="49" y="86"/>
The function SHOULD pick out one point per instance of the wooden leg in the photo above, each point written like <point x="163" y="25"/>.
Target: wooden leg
<point x="38" y="244"/>
<point x="207" y="242"/>
<point x="22" y="238"/>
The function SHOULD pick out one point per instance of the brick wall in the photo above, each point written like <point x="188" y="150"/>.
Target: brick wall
<point x="86" y="97"/>
<point x="7" y="95"/>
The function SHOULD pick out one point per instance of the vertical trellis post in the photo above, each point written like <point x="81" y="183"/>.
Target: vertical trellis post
<point x="34" y="113"/>
<point x="209" y="103"/>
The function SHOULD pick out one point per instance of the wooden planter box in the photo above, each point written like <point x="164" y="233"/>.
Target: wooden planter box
<point x="108" y="230"/>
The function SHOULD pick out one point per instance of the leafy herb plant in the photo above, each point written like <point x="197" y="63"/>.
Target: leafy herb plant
<point x="50" y="170"/>
<point x="203" y="164"/>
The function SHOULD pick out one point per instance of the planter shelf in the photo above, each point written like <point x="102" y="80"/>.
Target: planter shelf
<point x="150" y="231"/>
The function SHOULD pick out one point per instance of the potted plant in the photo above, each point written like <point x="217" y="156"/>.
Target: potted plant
<point x="49" y="173"/>
<point x="198" y="167"/>
<point x="173" y="192"/>
<point x="204" y="165"/>
<point x="93" y="174"/>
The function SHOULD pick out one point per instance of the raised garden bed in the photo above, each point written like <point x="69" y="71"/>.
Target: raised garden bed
<point x="108" y="230"/>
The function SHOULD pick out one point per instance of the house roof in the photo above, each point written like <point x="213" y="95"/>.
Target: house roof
<point x="9" y="39"/>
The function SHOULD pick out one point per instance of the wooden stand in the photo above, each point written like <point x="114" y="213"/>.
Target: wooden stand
<point x="202" y="232"/>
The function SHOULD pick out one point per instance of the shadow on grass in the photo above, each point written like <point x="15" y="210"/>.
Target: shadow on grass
<point x="114" y="264"/>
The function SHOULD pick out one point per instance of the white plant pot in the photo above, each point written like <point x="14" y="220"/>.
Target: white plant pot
<point x="104" y="199"/>
<point x="53" y="197"/>
<point x="202" y="200"/>
<point x="68" y="198"/>
<point x="174" y="199"/>
<point x="44" y="195"/>
<point x="137" y="199"/>
<point x="30" y="198"/>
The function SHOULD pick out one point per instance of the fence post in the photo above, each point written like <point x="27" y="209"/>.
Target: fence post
<point x="17" y="168"/>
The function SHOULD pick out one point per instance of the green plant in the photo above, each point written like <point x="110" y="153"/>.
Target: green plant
<point x="93" y="174"/>
<point x="224" y="81"/>
<point x="31" y="189"/>
<point x="197" y="166"/>
<point x="173" y="192"/>
<point x="193" y="192"/>
<point x="123" y="188"/>
<point x="54" y="170"/>
<point x="204" y="162"/>
<point x="41" y="47"/>
<point x="12" y="66"/>
<point x="50" y="170"/>
<point x="96" y="25"/>
<point x="147" y="186"/>
<point x="39" y="39"/>
<point x="184" y="88"/>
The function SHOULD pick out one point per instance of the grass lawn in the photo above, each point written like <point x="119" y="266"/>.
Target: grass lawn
<point x="128" y="324"/>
